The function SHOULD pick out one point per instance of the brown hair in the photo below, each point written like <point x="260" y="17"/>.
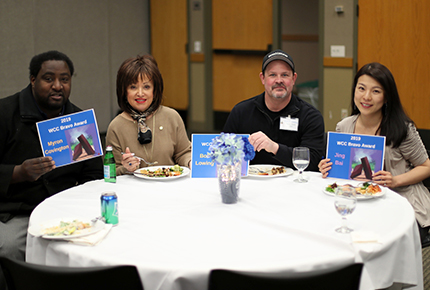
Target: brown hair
<point x="129" y="73"/>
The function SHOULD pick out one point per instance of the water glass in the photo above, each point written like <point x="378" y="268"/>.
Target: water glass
<point x="301" y="160"/>
<point x="345" y="201"/>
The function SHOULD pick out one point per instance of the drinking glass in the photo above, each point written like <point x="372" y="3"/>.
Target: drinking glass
<point x="345" y="201"/>
<point x="301" y="161"/>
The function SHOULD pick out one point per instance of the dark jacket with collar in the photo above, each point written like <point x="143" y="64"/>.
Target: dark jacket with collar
<point x="252" y="115"/>
<point x="19" y="141"/>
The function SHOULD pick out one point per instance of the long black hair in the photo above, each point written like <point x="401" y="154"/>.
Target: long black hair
<point x="395" y="121"/>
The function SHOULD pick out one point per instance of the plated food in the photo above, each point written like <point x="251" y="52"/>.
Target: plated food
<point x="162" y="172"/>
<point x="273" y="171"/>
<point x="66" y="228"/>
<point x="368" y="188"/>
<point x="364" y="190"/>
<point x="264" y="171"/>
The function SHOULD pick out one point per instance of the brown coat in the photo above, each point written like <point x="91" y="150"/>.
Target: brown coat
<point x="170" y="144"/>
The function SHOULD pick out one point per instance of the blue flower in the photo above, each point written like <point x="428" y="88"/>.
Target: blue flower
<point x="248" y="149"/>
<point x="230" y="148"/>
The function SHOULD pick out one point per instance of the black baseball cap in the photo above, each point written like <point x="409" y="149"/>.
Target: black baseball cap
<point x="277" y="55"/>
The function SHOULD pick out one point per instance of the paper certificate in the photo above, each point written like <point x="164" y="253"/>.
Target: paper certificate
<point x="201" y="165"/>
<point x="355" y="156"/>
<point x="70" y="138"/>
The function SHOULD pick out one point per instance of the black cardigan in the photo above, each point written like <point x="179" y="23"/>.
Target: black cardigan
<point x="252" y="115"/>
<point x="19" y="141"/>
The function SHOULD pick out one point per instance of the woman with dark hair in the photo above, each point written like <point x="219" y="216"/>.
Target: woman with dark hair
<point x="377" y="110"/>
<point x="145" y="128"/>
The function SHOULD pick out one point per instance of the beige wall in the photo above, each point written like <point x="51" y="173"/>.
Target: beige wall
<point x="337" y="95"/>
<point x="97" y="35"/>
<point x="337" y="81"/>
<point x="301" y="18"/>
<point x="339" y="27"/>
<point x="199" y="114"/>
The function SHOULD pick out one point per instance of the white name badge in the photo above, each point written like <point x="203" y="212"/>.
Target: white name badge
<point x="288" y="123"/>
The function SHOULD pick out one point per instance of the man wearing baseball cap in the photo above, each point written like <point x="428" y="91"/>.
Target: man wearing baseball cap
<point x="277" y="120"/>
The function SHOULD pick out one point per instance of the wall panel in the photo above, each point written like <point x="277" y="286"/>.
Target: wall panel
<point x="168" y="45"/>
<point x="396" y="33"/>
<point x="97" y="35"/>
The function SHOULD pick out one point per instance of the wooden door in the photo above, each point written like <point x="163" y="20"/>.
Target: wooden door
<point x="396" y="33"/>
<point x="168" y="46"/>
<point x="242" y="31"/>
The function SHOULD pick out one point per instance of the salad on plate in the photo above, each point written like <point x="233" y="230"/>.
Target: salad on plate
<point x="364" y="190"/>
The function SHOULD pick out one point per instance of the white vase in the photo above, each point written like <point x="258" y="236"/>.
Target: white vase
<point x="229" y="181"/>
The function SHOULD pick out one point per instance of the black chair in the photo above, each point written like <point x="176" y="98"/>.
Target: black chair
<point x="20" y="275"/>
<point x="425" y="137"/>
<point x="347" y="278"/>
<point x="426" y="181"/>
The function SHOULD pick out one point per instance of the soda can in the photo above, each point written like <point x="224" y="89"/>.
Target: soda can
<point x="109" y="207"/>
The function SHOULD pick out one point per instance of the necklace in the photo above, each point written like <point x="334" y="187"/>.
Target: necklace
<point x="368" y="130"/>
<point x="153" y="141"/>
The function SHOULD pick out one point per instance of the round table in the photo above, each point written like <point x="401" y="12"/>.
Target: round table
<point x="176" y="230"/>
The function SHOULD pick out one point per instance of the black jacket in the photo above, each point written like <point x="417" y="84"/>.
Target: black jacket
<point x="19" y="141"/>
<point x="252" y="115"/>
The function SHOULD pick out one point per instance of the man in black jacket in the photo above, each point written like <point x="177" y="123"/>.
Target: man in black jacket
<point x="26" y="176"/>
<point x="277" y="119"/>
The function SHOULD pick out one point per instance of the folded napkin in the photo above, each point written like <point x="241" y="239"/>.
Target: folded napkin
<point x="92" y="239"/>
<point x="364" y="237"/>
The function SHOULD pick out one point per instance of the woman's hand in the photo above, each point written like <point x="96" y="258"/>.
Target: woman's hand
<point x="129" y="162"/>
<point x="415" y="175"/>
<point x="384" y="178"/>
<point x="325" y="166"/>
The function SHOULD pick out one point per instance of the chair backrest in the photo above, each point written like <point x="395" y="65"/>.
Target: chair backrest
<point x="426" y="181"/>
<point x="425" y="137"/>
<point x="347" y="278"/>
<point x="20" y="275"/>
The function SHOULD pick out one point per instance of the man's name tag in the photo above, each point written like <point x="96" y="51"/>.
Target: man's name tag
<point x="288" y="123"/>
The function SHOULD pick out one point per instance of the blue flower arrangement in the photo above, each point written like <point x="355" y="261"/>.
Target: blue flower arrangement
<point x="230" y="148"/>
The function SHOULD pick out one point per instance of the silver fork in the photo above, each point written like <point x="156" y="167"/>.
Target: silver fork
<point x="140" y="158"/>
<point x="256" y="170"/>
<point x="94" y="220"/>
<point x="149" y="163"/>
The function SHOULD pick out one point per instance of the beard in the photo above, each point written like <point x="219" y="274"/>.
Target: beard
<point x="46" y="103"/>
<point x="55" y="105"/>
<point x="279" y="95"/>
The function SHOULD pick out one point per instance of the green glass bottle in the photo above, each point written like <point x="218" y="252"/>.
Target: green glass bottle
<point x="109" y="166"/>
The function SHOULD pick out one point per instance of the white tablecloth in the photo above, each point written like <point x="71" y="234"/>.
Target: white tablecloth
<point x="176" y="231"/>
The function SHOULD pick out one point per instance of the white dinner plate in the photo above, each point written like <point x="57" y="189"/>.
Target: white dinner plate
<point x="254" y="170"/>
<point x="185" y="172"/>
<point x="38" y="229"/>
<point x="360" y="196"/>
